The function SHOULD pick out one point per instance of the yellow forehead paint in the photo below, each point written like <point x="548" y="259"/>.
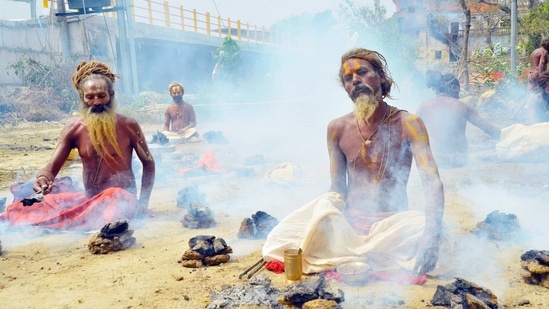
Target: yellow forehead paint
<point x="351" y="66"/>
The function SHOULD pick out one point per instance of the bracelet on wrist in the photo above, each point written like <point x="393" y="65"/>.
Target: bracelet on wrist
<point x="47" y="178"/>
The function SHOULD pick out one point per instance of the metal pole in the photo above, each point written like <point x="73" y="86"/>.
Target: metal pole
<point x="131" y="40"/>
<point x="124" y="56"/>
<point x="66" y="44"/>
<point x="33" y="8"/>
<point x="514" y="21"/>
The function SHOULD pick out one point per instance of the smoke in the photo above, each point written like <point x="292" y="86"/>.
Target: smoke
<point x="280" y="109"/>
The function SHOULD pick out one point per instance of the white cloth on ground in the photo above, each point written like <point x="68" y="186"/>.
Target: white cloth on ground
<point x="321" y="230"/>
<point x="521" y="142"/>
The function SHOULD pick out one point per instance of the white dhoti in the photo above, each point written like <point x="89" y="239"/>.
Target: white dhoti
<point x="176" y="138"/>
<point x="321" y="230"/>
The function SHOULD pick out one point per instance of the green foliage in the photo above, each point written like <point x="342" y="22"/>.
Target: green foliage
<point x="536" y="21"/>
<point x="54" y="74"/>
<point x="228" y="57"/>
<point x="377" y="32"/>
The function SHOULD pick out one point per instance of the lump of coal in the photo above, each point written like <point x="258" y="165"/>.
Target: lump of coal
<point x="114" y="236"/>
<point x="160" y="138"/>
<point x="189" y="195"/>
<point x="258" y="227"/>
<point x="535" y="267"/>
<point x="206" y="250"/>
<point x="35" y="198"/>
<point x="114" y="229"/>
<point x="464" y="294"/>
<point x="215" y="137"/>
<point x="302" y="293"/>
<point x="198" y="216"/>
<point x="497" y="226"/>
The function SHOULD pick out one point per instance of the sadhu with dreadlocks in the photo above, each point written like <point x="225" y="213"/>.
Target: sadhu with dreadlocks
<point x="537" y="107"/>
<point x="106" y="142"/>
<point x="446" y="118"/>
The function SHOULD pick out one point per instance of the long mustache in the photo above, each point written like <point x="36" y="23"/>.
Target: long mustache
<point x="360" y="88"/>
<point x="99" y="109"/>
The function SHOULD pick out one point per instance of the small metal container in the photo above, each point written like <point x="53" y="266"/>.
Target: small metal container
<point x="293" y="264"/>
<point x="355" y="273"/>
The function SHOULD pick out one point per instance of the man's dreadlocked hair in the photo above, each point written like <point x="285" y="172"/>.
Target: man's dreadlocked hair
<point x="173" y="84"/>
<point x="92" y="69"/>
<point x="543" y="80"/>
<point x="443" y="83"/>
<point x="376" y="60"/>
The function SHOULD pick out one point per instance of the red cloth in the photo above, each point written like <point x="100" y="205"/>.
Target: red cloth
<point x="362" y="223"/>
<point x="208" y="163"/>
<point x="275" y="266"/>
<point x="73" y="210"/>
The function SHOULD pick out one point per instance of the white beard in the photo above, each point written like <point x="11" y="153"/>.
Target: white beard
<point x="365" y="106"/>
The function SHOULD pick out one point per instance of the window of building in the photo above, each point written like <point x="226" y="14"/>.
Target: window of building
<point x="438" y="54"/>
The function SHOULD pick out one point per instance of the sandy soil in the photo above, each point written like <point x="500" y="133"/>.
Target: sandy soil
<point x="40" y="269"/>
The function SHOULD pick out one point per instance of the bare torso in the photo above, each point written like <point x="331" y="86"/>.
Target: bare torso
<point x="101" y="173"/>
<point x="377" y="171"/>
<point x="179" y="116"/>
<point x="538" y="64"/>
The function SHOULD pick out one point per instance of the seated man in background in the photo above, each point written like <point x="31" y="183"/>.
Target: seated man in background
<point x="537" y="107"/>
<point x="179" y="118"/>
<point x="446" y="117"/>
<point x="105" y="141"/>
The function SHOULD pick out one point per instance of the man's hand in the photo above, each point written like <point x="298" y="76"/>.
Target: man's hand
<point x="43" y="185"/>
<point x="427" y="256"/>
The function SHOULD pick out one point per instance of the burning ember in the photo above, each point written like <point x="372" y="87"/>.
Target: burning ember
<point x="464" y="294"/>
<point x="314" y="293"/>
<point x="112" y="237"/>
<point x="535" y="265"/>
<point x="198" y="214"/>
<point x="497" y="226"/>
<point x="206" y="250"/>
<point x="257" y="227"/>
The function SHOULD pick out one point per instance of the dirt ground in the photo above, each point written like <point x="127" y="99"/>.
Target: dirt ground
<point x="44" y="269"/>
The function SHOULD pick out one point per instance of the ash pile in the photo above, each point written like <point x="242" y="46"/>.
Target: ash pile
<point x="535" y="267"/>
<point x="497" y="226"/>
<point x="257" y="227"/>
<point x="315" y="293"/>
<point x="463" y="294"/>
<point x="198" y="215"/>
<point x="112" y="237"/>
<point x="206" y="250"/>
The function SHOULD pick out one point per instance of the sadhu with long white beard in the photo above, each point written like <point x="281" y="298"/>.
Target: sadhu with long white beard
<point x="365" y="216"/>
<point x="105" y="141"/>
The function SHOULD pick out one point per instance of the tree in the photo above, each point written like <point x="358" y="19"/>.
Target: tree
<point x="464" y="59"/>
<point x="228" y="61"/>
<point x="371" y="28"/>
<point x="536" y="24"/>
